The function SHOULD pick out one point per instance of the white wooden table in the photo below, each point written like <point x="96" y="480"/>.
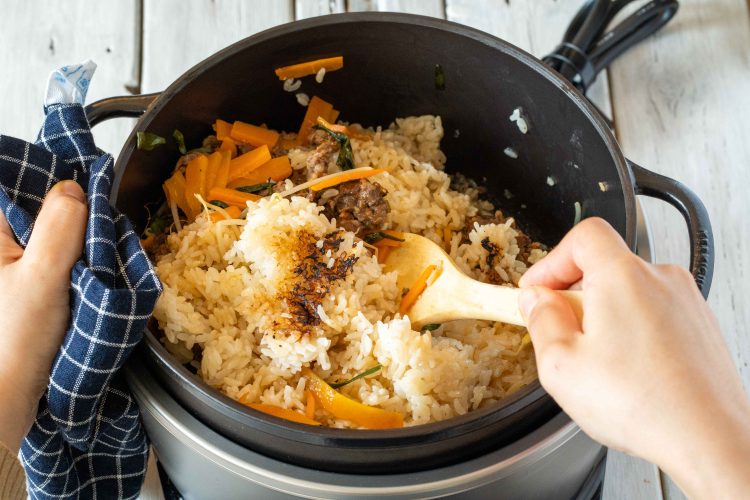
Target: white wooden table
<point x="680" y="102"/>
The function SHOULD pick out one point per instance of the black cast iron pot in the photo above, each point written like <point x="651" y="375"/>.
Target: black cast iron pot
<point x="388" y="73"/>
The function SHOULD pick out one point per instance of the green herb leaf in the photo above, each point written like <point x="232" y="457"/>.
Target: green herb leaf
<point x="146" y="141"/>
<point x="439" y="77"/>
<point x="345" y="160"/>
<point x="430" y="327"/>
<point x="365" y="373"/>
<point x="180" y="141"/>
<point x="218" y="203"/>
<point x="159" y="224"/>
<point x="256" y="187"/>
<point x="373" y="238"/>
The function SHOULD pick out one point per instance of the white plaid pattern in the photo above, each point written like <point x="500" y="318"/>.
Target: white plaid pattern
<point x="87" y="441"/>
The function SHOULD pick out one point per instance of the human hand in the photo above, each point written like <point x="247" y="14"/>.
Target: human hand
<point x="35" y="304"/>
<point x="647" y="372"/>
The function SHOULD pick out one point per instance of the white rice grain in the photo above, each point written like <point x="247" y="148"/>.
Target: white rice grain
<point x="320" y="75"/>
<point x="292" y="85"/>
<point x="302" y="98"/>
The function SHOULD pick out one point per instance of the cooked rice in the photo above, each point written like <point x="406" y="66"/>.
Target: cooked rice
<point x="225" y="286"/>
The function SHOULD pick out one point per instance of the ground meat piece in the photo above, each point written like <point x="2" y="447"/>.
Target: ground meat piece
<point x="184" y="160"/>
<point x="318" y="137"/>
<point x="317" y="161"/>
<point x="209" y="145"/>
<point x="243" y="148"/>
<point x="359" y="207"/>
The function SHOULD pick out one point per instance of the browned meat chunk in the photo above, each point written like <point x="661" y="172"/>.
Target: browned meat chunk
<point x="210" y="144"/>
<point x="317" y="161"/>
<point x="359" y="207"/>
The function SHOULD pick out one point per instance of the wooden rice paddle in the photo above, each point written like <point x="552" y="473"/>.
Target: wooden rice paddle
<point x="453" y="295"/>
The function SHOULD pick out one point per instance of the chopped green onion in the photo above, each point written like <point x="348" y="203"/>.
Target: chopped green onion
<point x="430" y="327"/>
<point x="439" y="77"/>
<point x="146" y="141"/>
<point x="373" y="238"/>
<point x="180" y="141"/>
<point x="365" y="373"/>
<point x="346" y="156"/>
<point x="256" y="187"/>
<point x="218" y="203"/>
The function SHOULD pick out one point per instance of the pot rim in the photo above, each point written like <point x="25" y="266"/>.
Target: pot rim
<point x="454" y="426"/>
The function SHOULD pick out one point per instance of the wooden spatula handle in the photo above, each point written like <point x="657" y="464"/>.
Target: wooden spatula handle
<point x="485" y="301"/>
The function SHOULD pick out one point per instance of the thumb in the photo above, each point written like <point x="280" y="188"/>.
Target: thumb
<point x="552" y="324"/>
<point x="57" y="238"/>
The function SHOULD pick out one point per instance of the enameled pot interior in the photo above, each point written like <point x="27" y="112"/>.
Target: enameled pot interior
<point x="389" y="72"/>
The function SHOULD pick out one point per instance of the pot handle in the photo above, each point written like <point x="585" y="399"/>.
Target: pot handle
<point x="119" y="107"/>
<point x="678" y="195"/>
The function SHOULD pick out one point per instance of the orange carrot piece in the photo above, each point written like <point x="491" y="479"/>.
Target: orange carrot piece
<point x="244" y="164"/>
<point x="310" y="406"/>
<point x="212" y="171"/>
<point x="174" y="188"/>
<point x="232" y="211"/>
<point x="252" y="134"/>
<point x="317" y="107"/>
<point x="346" y="177"/>
<point x="148" y="242"/>
<point x="195" y="182"/>
<point x="277" y="170"/>
<point x="228" y="144"/>
<point x="222" y="129"/>
<point x="278" y="411"/>
<point x="383" y="253"/>
<point x="232" y="196"/>
<point x="447" y="236"/>
<point x="222" y="173"/>
<point x="310" y="67"/>
<point x="333" y="116"/>
<point x="343" y="407"/>
<point x="415" y="290"/>
<point x="330" y="126"/>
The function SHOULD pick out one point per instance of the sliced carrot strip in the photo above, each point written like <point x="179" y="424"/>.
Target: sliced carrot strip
<point x="310" y="406"/>
<point x="195" y="182"/>
<point x="276" y="169"/>
<point x="383" y="253"/>
<point x="215" y="160"/>
<point x="447" y="236"/>
<point x="309" y="67"/>
<point x="415" y="290"/>
<point x="244" y="164"/>
<point x="317" y="107"/>
<point x="174" y="188"/>
<point x="232" y="196"/>
<point x="222" y="173"/>
<point x="346" y="176"/>
<point x="228" y="144"/>
<point x="330" y="126"/>
<point x="232" y="211"/>
<point x="278" y="411"/>
<point x="252" y="134"/>
<point x="222" y="129"/>
<point x="341" y="406"/>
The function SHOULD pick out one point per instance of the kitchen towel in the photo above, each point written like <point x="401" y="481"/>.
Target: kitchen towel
<point x="87" y="440"/>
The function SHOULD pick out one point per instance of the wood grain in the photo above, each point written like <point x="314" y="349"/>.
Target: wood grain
<point x="678" y="100"/>
<point x="176" y="37"/>
<point x="38" y="37"/>
<point x="434" y="8"/>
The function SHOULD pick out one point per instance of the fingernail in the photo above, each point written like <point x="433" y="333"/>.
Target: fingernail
<point x="527" y="300"/>
<point x="70" y="188"/>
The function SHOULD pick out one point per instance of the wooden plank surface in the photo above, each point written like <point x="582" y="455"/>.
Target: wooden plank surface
<point x="37" y="37"/>
<point x="311" y="8"/>
<point x="177" y="36"/>
<point x="682" y="118"/>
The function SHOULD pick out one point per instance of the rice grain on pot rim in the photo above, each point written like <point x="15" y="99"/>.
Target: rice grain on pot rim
<point x="233" y="289"/>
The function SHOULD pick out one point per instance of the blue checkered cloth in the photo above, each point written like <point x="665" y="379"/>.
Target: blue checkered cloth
<point x="87" y="441"/>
